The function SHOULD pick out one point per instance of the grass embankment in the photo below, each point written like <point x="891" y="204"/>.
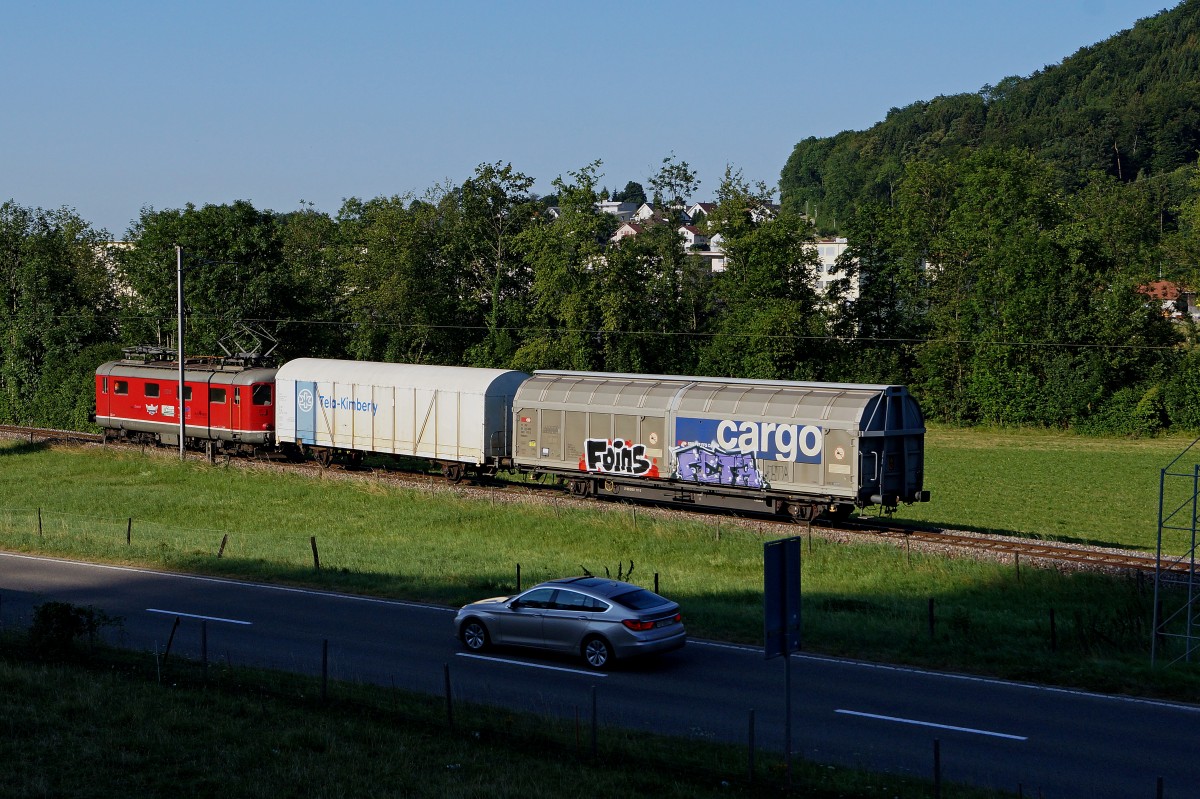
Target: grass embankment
<point x="868" y="601"/>
<point x="104" y="726"/>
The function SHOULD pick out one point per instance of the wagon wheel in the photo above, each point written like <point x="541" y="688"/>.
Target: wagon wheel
<point x="454" y="472"/>
<point x="323" y="456"/>
<point x="801" y="512"/>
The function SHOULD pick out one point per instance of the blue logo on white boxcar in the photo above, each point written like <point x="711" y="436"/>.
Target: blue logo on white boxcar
<point x="306" y="414"/>
<point x="772" y="441"/>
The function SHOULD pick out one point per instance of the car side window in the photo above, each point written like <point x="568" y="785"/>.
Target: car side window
<point x="571" y="600"/>
<point x="537" y="598"/>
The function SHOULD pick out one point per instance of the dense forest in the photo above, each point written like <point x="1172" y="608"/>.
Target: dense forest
<point x="1126" y="108"/>
<point x="998" y="242"/>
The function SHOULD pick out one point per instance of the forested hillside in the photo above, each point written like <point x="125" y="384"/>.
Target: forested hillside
<point x="1001" y="237"/>
<point x="1126" y="107"/>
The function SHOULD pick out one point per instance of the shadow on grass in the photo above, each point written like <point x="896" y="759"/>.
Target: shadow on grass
<point x="934" y="525"/>
<point x="341" y="579"/>
<point x="24" y="448"/>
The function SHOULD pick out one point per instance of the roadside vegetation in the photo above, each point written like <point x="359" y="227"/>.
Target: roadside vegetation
<point x="91" y="721"/>
<point x="861" y="600"/>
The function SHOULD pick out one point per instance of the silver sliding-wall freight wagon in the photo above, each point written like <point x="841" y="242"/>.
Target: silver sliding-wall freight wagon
<point x="800" y="449"/>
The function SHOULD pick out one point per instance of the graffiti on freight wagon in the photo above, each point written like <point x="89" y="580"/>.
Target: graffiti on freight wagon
<point x="701" y="463"/>
<point x="617" y="457"/>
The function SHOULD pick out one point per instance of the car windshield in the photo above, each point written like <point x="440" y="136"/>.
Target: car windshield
<point x="640" y="599"/>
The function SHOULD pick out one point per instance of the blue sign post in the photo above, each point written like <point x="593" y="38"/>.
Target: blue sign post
<point x="781" y="618"/>
<point x="781" y="597"/>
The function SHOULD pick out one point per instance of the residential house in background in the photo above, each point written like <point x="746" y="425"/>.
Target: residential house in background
<point x="636" y="218"/>
<point x="1175" y="300"/>
<point x="626" y="230"/>
<point x="693" y="239"/>
<point x="622" y="211"/>
<point x="828" y="252"/>
<point x="700" y="211"/>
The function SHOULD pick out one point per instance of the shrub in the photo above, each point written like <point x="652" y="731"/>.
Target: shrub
<point x="59" y="626"/>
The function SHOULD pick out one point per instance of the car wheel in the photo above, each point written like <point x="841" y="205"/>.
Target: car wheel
<point x="474" y="635"/>
<point x="597" y="653"/>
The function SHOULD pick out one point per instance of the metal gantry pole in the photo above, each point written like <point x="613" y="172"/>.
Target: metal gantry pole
<point x="1157" y="622"/>
<point x="179" y="339"/>
<point x="1191" y="587"/>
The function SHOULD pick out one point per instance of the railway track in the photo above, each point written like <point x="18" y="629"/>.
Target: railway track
<point x="1079" y="556"/>
<point x="45" y="435"/>
<point x="1034" y="552"/>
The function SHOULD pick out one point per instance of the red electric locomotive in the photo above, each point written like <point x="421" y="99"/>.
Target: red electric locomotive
<point x="229" y="403"/>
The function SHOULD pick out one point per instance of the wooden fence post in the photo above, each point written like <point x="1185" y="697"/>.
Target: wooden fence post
<point x="449" y="696"/>
<point x="324" y="669"/>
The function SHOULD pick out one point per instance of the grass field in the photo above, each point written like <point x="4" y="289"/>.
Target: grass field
<point x="868" y="601"/>
<point x="1055" y="485"/>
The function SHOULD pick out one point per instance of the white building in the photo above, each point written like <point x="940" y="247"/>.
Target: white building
<point x="622" y="211"/>
<point x="828" y="252"/>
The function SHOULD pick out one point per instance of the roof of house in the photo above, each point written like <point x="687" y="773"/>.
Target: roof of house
<point x="1161" y="290"/>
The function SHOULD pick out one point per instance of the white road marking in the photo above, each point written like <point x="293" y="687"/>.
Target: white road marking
<point x="530" y="665"/>
<point x="949" y="675"/>
<point x="933" y="724"/>
<point x="195" y="616"/>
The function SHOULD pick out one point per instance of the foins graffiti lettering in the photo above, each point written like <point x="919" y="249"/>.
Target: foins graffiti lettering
<point x="617" y="457"/>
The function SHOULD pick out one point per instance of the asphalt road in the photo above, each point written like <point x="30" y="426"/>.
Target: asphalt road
<point x="1006" y="735"/>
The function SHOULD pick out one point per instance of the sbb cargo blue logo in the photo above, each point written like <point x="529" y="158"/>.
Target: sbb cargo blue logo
<point x="770" y="441"/>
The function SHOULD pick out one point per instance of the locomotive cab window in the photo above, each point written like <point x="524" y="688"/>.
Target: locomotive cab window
<point x="262" y="394"/>
<point x="150" y="389"/>
<point x="121" y="387"/>
<point x="187" y="392"/>
<point x="216" y="396"/>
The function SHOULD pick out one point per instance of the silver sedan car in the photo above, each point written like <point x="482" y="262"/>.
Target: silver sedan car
<point x="599" y="619"/>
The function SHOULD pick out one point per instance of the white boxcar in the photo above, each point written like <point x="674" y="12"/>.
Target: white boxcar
<point x="450" y="415"/>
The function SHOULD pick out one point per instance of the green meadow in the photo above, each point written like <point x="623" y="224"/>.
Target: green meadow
<point x="861" y="600"/>
<point x="1052" y="484"/>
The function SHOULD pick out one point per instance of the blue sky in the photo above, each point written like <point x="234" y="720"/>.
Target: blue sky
<point x="111" y="107"/>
